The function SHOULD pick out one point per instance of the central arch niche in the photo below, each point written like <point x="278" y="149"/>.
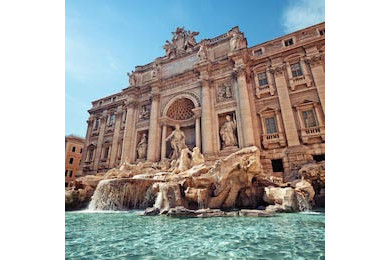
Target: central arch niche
<point x="180" y="111"/>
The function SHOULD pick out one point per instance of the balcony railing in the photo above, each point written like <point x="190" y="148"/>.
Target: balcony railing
<point x="309" y="133"/>
<point x="274" y="139"/>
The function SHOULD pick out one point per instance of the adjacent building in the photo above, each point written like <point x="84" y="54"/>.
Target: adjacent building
<point x="223" y="96"/>
<point x="74" y="146"/>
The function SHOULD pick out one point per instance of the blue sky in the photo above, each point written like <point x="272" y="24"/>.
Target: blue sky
<point x="106" y="39"/>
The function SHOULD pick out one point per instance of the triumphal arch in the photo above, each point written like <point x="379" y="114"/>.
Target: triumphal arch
<point x="218" y="95"/>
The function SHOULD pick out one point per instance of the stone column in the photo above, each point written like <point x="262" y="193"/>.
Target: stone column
<point x="245" y="110"/>
<point x="128" y="135"/>
<point x="153" y="127"/>
<point x="285" y="105"/>
<point x="319" y="77"/>
<point x="163" y="142"/>
<point x="115" y="138"/>
<point x="198" y="136"/>
<point x="99" y="144"/>
<point x="207" y="127"/>
<point x="86" y="143"/>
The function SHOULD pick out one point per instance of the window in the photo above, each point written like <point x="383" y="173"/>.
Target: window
<point x="71" y="161"/>
<point x="113" y="99"/>
<point x="100" y="103"/>
<point x="70" y="173"/>
<point x="81" y="150"/>
<point x="73" y="149"/>
<point x="322" y="32"/>
<point x="106" y="150"/>
<point x="111" y="120"/>
<point x="66" y="173"/>
<point x="288" y="42"/>
<point x="262" y="79"/>
<point x="97" y="122"/>
<point x="296" y="69"/>
<point x="309" y="118"/>
<point x="319" y="157"/>
<point x="258" y="52"/>
<point x="270" y="124"/>
<point x="277" y="165"/>
<point x="66" y="184"/>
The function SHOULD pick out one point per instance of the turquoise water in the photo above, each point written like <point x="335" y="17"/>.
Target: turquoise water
<point x="130" y="236"/>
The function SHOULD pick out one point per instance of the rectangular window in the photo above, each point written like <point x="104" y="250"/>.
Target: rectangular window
<point x="309" y="118"/>
<point x="288" y="42"/>
<point x="97" y="122"/>
<point x="270" y="123"/>
<point x="71" y="161"/>
<point x="70" y="173"/>
<point x="73" y="149"/>
<point x="296" y="69"/>
<point x="106" y="150"/>
<point x="66" y="173"/>
<point x="111" y="120"/>
<point x="258" y="52"/>
<point x="262" y="79"/>
<point x="81" y="150"/>
<point x="277" y="165"/>
<point x="322" y="32"/>
<point x="113" y="99"/>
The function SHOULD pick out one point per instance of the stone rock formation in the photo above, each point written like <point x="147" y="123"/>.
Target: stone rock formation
<point x="190" y="187"/>
<point x="314" y="173"/>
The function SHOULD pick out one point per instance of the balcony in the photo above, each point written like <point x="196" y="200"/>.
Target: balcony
<point x="313" y="134"/>
<point x="265" y="89"/>
<point x="274" y="140"/>
<point x="300" y="80"/>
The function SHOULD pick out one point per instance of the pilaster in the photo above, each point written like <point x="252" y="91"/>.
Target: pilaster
<point x="285" y="105"/>
<point x="152" y="153"/>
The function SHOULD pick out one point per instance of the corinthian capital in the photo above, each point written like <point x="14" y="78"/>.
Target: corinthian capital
<point x="277" y="70"/>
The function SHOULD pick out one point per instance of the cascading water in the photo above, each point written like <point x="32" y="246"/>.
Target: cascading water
<point x="122" y="194"/>
<point x="303" y="203"/>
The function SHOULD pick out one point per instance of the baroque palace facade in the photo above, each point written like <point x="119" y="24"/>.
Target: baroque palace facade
<point x="220" y="96"/>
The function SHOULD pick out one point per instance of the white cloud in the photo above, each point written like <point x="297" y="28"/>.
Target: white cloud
<point x="303" y="13"/>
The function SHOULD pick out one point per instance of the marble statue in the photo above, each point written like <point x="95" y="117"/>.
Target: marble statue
<point x="237" y="41"/>
<point x="132" y="79"/>
<point x="190" y="41"/>
<point x="197" y="157"/>
<point x="141" y="147"/>
<point x="227" y="132"/>
<point x="182" y="41"/>
<point x="170" y="49"/>
<point x="202" y="53"/>
<point x="177" y="138"/>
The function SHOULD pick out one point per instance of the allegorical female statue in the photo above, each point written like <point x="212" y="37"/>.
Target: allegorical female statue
<point x="177" y="138"/>
<point x="141" y="147"/>
<point x="227" y="133"/>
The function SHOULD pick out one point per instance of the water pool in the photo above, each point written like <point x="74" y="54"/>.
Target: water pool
<point x="126" y="235"/>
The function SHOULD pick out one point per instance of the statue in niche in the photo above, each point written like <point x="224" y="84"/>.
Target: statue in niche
<point x="237" y="41"/>
<point x="227" y="132"/>
<point x="145" y="113"/>
<point x="177" y="138"/>
<point x="170" y="49"/>
<point x="132" y="79"/>
<point x="142" y="146"/>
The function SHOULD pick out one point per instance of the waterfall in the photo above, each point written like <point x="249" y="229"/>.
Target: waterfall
<point x="303" y="203"/>
<point x="122" y="194"/>
<point x="200" y="200"/>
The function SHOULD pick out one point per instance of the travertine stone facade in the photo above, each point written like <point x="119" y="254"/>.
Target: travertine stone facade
<point x="224" y="96"/>
<point x="74" y="146"/>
